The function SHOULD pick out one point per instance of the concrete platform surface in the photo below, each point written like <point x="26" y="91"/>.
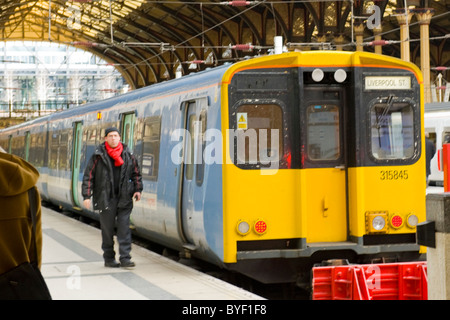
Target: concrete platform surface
<point x="73" y="268"/>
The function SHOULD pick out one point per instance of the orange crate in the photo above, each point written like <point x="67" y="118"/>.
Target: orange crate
<point x="389" y="281"/>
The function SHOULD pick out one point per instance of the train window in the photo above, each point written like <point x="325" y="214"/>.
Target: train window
<point x="323" y="137"/>
<point x="259" y="135"/>
<point x="54" y="143"/>
<point x="445" y="136"/>
<point x="91" y="138"/>
<point x="432" y="136"/>
<point x="189" y="162"/>
<point x="34" y="153"/>
<point x="4" y="144"/>
<point x="201" y="142"/>
<point x="127" y="133"/>
<point x="150" y="150"/>
<point x="18" y="146"/>
<point x="63" y="161"/>
<point x="40" y="150"/>
<point x="392" y="130"/>
<point x="10" y="138"/>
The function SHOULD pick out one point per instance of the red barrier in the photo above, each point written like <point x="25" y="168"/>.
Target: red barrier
<point x="388" y="281"/>
<point x="446" y="166"/>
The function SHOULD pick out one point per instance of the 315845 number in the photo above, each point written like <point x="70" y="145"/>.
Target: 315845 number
<point x="393" y="174"/>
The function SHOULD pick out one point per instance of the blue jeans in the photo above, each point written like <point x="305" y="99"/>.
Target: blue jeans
<point x="119" y="218"/>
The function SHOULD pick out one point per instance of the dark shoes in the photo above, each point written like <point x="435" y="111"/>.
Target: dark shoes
<point x="127" y="264"/>
<point x="123" y="264"/>
<point x="112" y="264"/>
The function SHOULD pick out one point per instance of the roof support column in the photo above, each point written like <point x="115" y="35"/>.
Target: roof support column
<point x="359" y="34"/>
<point x="403" y="19"/>
<point x="339" y="41"/>
<point x="424" y="17"/>
<point x="377" y="33"/>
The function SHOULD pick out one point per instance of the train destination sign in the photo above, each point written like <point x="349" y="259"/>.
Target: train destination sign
<point x="387" y="82"/>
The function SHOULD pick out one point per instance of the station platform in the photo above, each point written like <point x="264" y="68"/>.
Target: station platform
<point x="433" y="189"/>
<point x="73" y="267"/>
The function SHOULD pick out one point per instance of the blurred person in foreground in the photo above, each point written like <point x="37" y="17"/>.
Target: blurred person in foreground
<point x="17" y="176"/>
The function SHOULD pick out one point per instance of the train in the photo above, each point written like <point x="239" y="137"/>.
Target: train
<point x="437" y="124"/>
<point x="263" y="167"/>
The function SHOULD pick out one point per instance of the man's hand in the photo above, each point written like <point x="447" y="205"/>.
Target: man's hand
<point x="87" y="203"/>
<point x="137" y="196"/>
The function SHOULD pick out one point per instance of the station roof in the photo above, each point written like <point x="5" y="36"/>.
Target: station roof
<point x="150" y="40"/>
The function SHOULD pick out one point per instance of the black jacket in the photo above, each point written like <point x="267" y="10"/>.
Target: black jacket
<point x="98" y="180"/>
<point x="430" y="150"/>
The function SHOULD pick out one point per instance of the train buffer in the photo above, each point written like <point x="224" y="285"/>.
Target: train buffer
<point x="385" y="281"/>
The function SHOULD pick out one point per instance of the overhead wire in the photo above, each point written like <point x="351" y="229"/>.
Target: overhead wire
<point x="202" y="32"/>
<point x="251" y="4"/>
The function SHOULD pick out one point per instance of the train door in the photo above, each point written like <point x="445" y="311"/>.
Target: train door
<point x="192" y="172"/>
<point x="27" y="145"/>
<point x="325" y="185"/>
<point x="128" y="120"/>
<point x="76" y="157"/>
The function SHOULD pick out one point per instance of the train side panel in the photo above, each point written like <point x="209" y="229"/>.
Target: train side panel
<point x="162" y="215"/>
<point x="175" y="211"/>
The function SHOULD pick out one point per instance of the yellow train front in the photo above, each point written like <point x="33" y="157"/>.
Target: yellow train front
<point x="324" y="159"/>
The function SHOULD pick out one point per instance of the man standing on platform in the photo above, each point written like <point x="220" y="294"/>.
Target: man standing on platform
<point x="112" y="177"/>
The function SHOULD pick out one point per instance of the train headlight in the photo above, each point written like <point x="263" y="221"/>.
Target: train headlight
<point x="243" y="227"/>
<point x="340" y="75"/>
<point x="317" y="75"/>
<point x="412" y="220"/>
<point x="376" y="222"/>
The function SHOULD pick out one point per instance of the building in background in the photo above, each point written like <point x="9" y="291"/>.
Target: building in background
<point x="37" y="78"/>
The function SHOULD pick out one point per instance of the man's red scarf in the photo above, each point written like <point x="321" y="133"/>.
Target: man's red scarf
<point x="115" y="153"/>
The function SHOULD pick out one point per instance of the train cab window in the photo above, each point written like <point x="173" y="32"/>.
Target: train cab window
<point x="150" y="150"/>
<point x="392" y="130"/>
<point x="259" y="135"/>
<point x="323" y="138"/>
